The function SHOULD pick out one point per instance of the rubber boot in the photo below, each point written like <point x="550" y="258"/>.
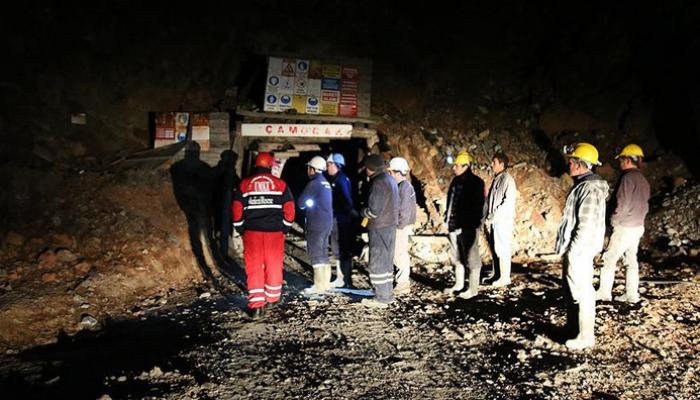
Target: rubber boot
<point x="339" y="278"/>
<point x="474" y="275"/>
<point x="504" y="279"/>
<point x="607" y="278"/>
<point x="631" y="285"/>
<point x="586" y="334"/>
<point x="346" y="269"/>
<point x="459" y="280"/>
<point x="326" y="283"/>
<point x="317" y="287"/>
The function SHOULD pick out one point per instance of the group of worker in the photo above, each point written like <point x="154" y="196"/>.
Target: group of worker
<point x="264" y="210"/>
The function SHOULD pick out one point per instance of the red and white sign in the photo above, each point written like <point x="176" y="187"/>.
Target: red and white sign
<point x="297" y="130"/>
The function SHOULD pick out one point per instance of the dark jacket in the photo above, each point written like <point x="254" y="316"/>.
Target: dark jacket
<point x="317" y="201"/>
<point x="407" y="204"/>
<point x="263" y="203"/>
<point x="465" y="202"/>
<point x="383" y="203"/>
<point x="343" y="210"/>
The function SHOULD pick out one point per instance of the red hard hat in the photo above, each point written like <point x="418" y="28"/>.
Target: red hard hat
<point x="264" y="160"/>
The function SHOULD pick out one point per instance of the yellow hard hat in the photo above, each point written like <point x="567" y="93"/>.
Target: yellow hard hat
<point x="463" y="158"/>
<point x="631" y="150"/>
<point x="584" y="151"/>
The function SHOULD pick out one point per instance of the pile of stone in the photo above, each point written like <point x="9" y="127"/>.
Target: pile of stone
<point x="675" y="226"/>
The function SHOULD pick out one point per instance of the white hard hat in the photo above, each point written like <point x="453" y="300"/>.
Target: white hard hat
<point x="399" y="164"/>
<point x="336" y="158"/>
<point x="317" y="163"/>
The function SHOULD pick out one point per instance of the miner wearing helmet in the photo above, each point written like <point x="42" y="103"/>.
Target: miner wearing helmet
<point x="465" y="203"/>
<point x="631" y="204"/>
<point x="580" y="237"/>
<point x="317" y="202"/>
<point x="398" y="169"/>
<point x="381" y="215"/>
<point x="344" y="219"/>
<point x="263" y="211"/>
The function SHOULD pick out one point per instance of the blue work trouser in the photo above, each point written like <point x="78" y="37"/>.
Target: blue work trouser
<point x="381" y="262"/>
<point x="317" y="245"/>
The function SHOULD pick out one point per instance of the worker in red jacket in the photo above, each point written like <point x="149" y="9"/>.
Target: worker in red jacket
<point x="263" y="211"/>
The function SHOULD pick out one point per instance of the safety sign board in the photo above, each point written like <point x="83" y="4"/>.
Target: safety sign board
<point x="316" y="87"/>
<point x="297" y="130"/>
<point x="299" y="104"/>
<point x="288" y="67"/>
<point x="330" y="84"/>
<point x="312" y="105"/>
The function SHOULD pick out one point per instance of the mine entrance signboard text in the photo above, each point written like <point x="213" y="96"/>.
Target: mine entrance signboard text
<point x="297" y="130"/>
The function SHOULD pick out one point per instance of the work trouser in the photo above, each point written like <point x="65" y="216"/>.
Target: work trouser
<point x="402" y="259"/>
<point x="467" y="249"/>
<point x="317" y="245"/>
<point x="263" y="253"/>
<point x="499" y="238"/>
<point x="578" y="282"/>
<point x="342" y="245"/>
<point x="624" y="241"/>
<point x="381" y="262"/>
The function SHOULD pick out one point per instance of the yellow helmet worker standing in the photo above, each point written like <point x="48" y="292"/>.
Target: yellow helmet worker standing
<point x="583" y="151"/>
<point x="631" y="150"/>
<point x="463" y="158"/>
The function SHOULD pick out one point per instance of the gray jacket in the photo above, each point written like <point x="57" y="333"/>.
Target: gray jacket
<point x="407" y="204"/>
<point x="500" y="205"/>
<point x="383" y="204"/>
<point x="583" y="221"/>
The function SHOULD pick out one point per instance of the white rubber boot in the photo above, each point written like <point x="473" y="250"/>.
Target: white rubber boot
<point x="459" y="280"/>
<point x="474" y="275"/>
<point x="339" y="278"/>
<point x="631" y="285"/>
<point x="607" y="278"/>
<point x="326" y="282"/>
<point x="586" y="334"/>
<point x="504" y="279"/>
<point x="317" y="287"/>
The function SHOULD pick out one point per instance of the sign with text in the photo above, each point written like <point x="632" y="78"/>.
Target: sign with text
<point x="321" y="83"/>
<point x="297" y="130"/>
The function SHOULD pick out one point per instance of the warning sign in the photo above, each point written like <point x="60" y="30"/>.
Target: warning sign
<point x="301" y="85"/>
<point x="299" y="104"/>
<point x="200" y="126"/>
<point x="302" y="68"/>
<point x="312" y="105"/>
<point x="286" y="85"/>
<point x="182" y="121"/>
<point x="285" y="102"/>
<point x="329" y="109"/>
<point x="165" y="125"/>
<point x="316" y="70"/>
<point x="331" y="71"/>
<point x="315" y="87"/>
<point x="330" y="96"/>
<point x="351" y="73"/>
<point x="330" y="84"/>
<point x="288" y="67"/>
<point x="271" y="103"/>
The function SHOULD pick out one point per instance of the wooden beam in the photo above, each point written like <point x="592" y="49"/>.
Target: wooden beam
<point x="305" y="117"/>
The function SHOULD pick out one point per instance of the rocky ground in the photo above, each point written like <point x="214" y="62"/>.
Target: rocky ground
<point x="505" y="343"/>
